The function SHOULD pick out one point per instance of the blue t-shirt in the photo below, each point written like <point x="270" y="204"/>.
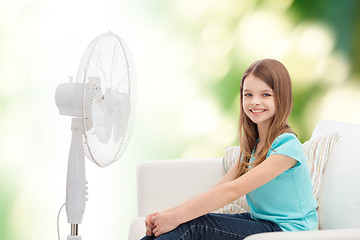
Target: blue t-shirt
<point x="288" y="199"/>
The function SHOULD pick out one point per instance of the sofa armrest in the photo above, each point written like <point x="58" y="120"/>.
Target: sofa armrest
<point x="334" y="234"/>
<point x="165" y="183"/>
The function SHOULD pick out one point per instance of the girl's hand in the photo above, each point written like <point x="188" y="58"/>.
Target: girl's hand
<point x="164" y="222"/>
<point x="149" y="226"/>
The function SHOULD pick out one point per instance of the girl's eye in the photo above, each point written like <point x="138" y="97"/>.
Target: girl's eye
<point x="266" y="95"/>
<point x="247" y="95"/>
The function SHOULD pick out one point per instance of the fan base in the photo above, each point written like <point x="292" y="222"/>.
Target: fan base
<point x="69" y="237"/>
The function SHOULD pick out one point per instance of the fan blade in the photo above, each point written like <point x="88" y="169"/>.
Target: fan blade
<point x="92" y="93"/>
<point x="102" y="121"/>
<point x="121" y="115"/>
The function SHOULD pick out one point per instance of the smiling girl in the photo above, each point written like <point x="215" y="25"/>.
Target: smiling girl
<point x="271" y="172"/>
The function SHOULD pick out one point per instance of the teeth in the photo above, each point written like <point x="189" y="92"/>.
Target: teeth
<point x="257" y="111"/>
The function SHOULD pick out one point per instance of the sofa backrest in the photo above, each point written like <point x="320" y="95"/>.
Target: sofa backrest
<point x="164" y="184"/>
<point x="339" y="203"/>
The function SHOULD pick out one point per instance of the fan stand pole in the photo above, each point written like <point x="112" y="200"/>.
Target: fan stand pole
<point x="76" y="189"/>
<point x="74" y="229"/>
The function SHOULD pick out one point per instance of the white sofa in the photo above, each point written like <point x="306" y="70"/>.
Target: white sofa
<point x="165" y="183"/>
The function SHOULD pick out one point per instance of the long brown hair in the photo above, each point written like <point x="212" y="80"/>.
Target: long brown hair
<point x="275" y="75"/>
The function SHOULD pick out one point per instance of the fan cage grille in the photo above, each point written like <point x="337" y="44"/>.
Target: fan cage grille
<point x="107" y="57"/>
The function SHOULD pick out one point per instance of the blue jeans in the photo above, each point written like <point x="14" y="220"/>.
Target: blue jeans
<point x="215" y="226"/>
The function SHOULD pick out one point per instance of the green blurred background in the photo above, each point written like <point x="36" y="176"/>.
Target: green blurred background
<point x="190" y="56"/>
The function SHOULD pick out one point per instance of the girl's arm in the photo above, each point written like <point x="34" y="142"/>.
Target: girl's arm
<point x="222" y="194"/>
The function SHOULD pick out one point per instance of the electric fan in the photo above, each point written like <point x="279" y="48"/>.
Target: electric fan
<point x="101" y="102"/>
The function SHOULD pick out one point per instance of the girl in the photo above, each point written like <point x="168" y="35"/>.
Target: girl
<point x="272" y="172"/>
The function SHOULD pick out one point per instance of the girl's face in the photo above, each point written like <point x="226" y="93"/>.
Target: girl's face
<point x="258" y="100"/>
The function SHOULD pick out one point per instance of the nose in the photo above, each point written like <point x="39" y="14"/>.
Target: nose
<point x="255" y="100"/>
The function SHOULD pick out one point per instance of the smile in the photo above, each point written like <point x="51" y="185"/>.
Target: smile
<point x="257" y="110"/>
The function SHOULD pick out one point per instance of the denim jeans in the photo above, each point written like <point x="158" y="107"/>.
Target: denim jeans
<point x="215" y="226"/>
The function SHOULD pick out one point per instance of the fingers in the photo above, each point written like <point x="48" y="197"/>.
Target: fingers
<point x="156" y="232"/>
<point x="149" y="234"/>
<point x="149" y="224"/>
<point x="152" y="217"/>
<point x="149" y="229"/>
<point x="147" y="220"/>
<point x="152" y="220"/>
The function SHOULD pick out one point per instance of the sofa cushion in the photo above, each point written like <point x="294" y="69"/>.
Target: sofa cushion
<point x="239" y="205"/>
<point x="318" y="152"/>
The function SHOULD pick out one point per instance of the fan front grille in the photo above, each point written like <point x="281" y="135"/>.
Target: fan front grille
<point x="106" y="66"/>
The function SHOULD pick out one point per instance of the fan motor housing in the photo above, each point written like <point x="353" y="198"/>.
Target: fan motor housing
<point x="67" y="98"/>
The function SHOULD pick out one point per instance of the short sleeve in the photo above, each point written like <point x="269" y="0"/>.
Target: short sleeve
<point x="287" y="144"/>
